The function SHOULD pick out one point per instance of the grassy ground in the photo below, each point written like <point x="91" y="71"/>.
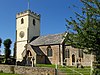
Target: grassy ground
<point x="75" y="71"/>
<point x="7" y="74"/>
<point x="69" y="70"/>
<point x="45" y="65"/>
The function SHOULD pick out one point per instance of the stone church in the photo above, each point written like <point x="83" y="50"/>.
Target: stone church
<point x="49" y="49"/>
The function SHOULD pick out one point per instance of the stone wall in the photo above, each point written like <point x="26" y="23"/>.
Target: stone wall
<point x="6" y="68"/>
<point x="23" y="70"/>
<point x="85" y="61"/>
<point x="55" y="58"/>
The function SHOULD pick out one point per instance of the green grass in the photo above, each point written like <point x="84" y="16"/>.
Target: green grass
<point x="75" y="71"/>
<point x="70" y="70"/>
<point x="8" y="74"/>
<point x="45" y="65"/>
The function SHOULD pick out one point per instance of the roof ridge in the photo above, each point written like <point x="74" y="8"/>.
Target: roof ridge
<point x="52" y="34"/>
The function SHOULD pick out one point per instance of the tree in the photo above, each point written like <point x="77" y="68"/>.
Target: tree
<point x="84" y="31"/>
<point x="7" y="43"/>
<point x="0" y="44"/>
<point x="14" y="54"/>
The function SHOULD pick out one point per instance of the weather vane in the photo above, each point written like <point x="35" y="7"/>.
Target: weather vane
<point x="28" y="4"/>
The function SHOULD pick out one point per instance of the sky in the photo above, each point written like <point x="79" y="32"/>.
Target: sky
<point x="53" y="14"/>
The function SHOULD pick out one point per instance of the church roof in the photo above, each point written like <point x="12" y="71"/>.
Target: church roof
<point x="37" y="50"/>
<point x="48" y="39"/>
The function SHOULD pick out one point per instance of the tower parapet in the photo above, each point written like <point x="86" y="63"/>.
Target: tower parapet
<point x="28" y="12"/>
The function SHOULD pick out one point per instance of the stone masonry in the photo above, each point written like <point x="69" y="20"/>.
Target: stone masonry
<point x="24" y="70"/>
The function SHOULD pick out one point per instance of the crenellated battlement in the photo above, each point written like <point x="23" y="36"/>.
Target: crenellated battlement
<point x="26" y="12"/>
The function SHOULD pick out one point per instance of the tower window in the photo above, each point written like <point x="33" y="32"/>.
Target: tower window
<point x="22" y="21"/>
<point x="49" y="51"/>
<point x="34" y="22"/>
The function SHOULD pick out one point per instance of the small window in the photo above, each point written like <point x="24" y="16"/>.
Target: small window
<point x="22" y="21"/>
<point x="49" y="51"/>
<point x="29" y="53"/>
<point x="34" y="22"/>
<point x="67" y="53"/>
<point x="73" y="59"/>
<point x="80" y="53"/>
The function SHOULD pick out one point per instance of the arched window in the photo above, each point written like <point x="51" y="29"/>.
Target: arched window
<point x="34" y="22"/>
<point x="67" y="53"/>
<point x="80" y="53"/>
<point x="22" y="21"/>
<point x="73" y="59"/>
<point x="49" y="51"/>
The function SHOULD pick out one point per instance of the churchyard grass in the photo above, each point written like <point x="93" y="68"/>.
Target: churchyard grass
<point x="8" y="74"/>
<point x="69" y="70"/>
<point x="45" y="65"/>
<point x="75" y="71"/>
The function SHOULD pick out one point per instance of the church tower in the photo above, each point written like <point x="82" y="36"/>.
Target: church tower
<point x="27" y="27"/>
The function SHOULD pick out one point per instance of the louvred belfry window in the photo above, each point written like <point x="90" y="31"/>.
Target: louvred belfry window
<point x="22" y="21"/>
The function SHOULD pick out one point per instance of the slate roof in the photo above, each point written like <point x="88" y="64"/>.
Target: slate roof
<point x="37" y="50"/>
<point x="48" y="39"/>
